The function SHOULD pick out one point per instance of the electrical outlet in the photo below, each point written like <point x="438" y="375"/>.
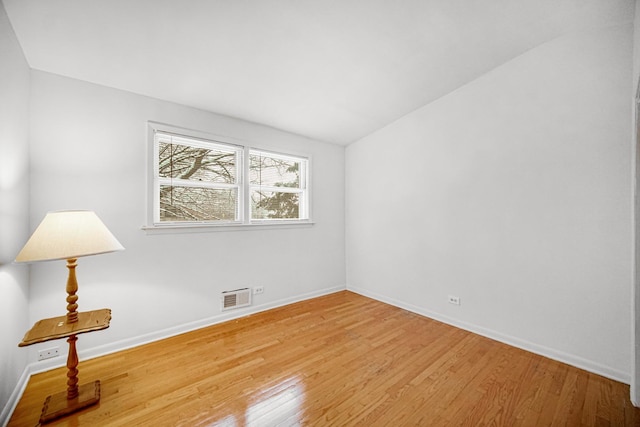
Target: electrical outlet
<point x="454" y="300"/>
<point x="258" y="290"/>
<point x="49" y="353"/>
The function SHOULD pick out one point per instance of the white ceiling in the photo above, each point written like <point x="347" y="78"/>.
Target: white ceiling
<point x="333" y="70"/>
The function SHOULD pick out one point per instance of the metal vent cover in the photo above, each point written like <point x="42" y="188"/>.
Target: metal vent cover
<point x="236" y="299"/>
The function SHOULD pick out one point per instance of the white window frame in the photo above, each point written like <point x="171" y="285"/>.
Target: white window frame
<point x="302" y="190"/>
<point x="158" y="181"/>
<point x="243" y="185"/>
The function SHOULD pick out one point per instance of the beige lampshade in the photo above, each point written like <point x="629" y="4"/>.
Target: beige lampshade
<point x="68" y="234"/>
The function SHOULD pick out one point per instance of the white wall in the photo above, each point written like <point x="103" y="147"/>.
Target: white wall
<point x="89" y="151"/>
<point x="636" y="44"/>
<point x="635" y="371"/>
<point x="14" y="210"/>
<point x="514" y="194"/>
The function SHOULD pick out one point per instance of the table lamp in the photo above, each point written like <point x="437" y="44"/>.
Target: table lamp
<point x="69" y="235"/>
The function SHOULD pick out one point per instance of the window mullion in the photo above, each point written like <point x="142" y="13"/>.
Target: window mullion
<point x="177" y="182"/>
<point x="276" y="189"/>
<point x="246" y="191"/>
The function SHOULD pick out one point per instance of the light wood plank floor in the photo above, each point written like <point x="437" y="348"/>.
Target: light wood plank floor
<point x="338" y="360"/>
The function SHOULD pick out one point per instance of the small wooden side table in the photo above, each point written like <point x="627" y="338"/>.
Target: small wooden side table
<point x="76" y="397"/>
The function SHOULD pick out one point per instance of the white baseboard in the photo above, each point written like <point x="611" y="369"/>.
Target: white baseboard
<point x="203" y="323"/>
<point x="633" y="386"/>
<point x="560" y="356"/>
<point x="11" y="404"/>
<point x="47" y="365"/>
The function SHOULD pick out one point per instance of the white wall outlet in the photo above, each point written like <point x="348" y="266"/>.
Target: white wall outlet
<point x="49" y="353"/>
<point x="454" y="300"/>
<point x="258" y="290"/>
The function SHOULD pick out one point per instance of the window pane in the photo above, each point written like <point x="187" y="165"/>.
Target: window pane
<point x="196" y="164"/>
<point x="273" y="171"/>
<point x="197" y="204"/>
<point x="274" y="205"/>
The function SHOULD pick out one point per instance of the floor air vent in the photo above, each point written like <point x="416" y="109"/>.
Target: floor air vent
<point x="236" y="299"/>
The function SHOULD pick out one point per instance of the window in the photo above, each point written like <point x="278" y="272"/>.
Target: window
<point x="277" y="186"/>
<point x="197" y="181"/>
<point x="201" y="181"/>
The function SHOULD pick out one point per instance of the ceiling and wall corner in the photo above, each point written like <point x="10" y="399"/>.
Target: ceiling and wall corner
<point x="332" y="70"/>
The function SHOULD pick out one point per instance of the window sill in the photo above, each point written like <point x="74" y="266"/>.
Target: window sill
<point x="207" y="228"/>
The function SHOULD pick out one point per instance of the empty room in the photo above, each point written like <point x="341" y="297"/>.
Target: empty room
<point x="326" y="213"/>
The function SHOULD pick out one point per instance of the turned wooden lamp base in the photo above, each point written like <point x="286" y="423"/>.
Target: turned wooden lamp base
<point x="69" y="326"/>
<point x="57" y="405"/>
<point x="69" y="235"/>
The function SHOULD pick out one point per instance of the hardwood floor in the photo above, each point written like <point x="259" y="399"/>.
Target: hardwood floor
<point x="338" y="360"/>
